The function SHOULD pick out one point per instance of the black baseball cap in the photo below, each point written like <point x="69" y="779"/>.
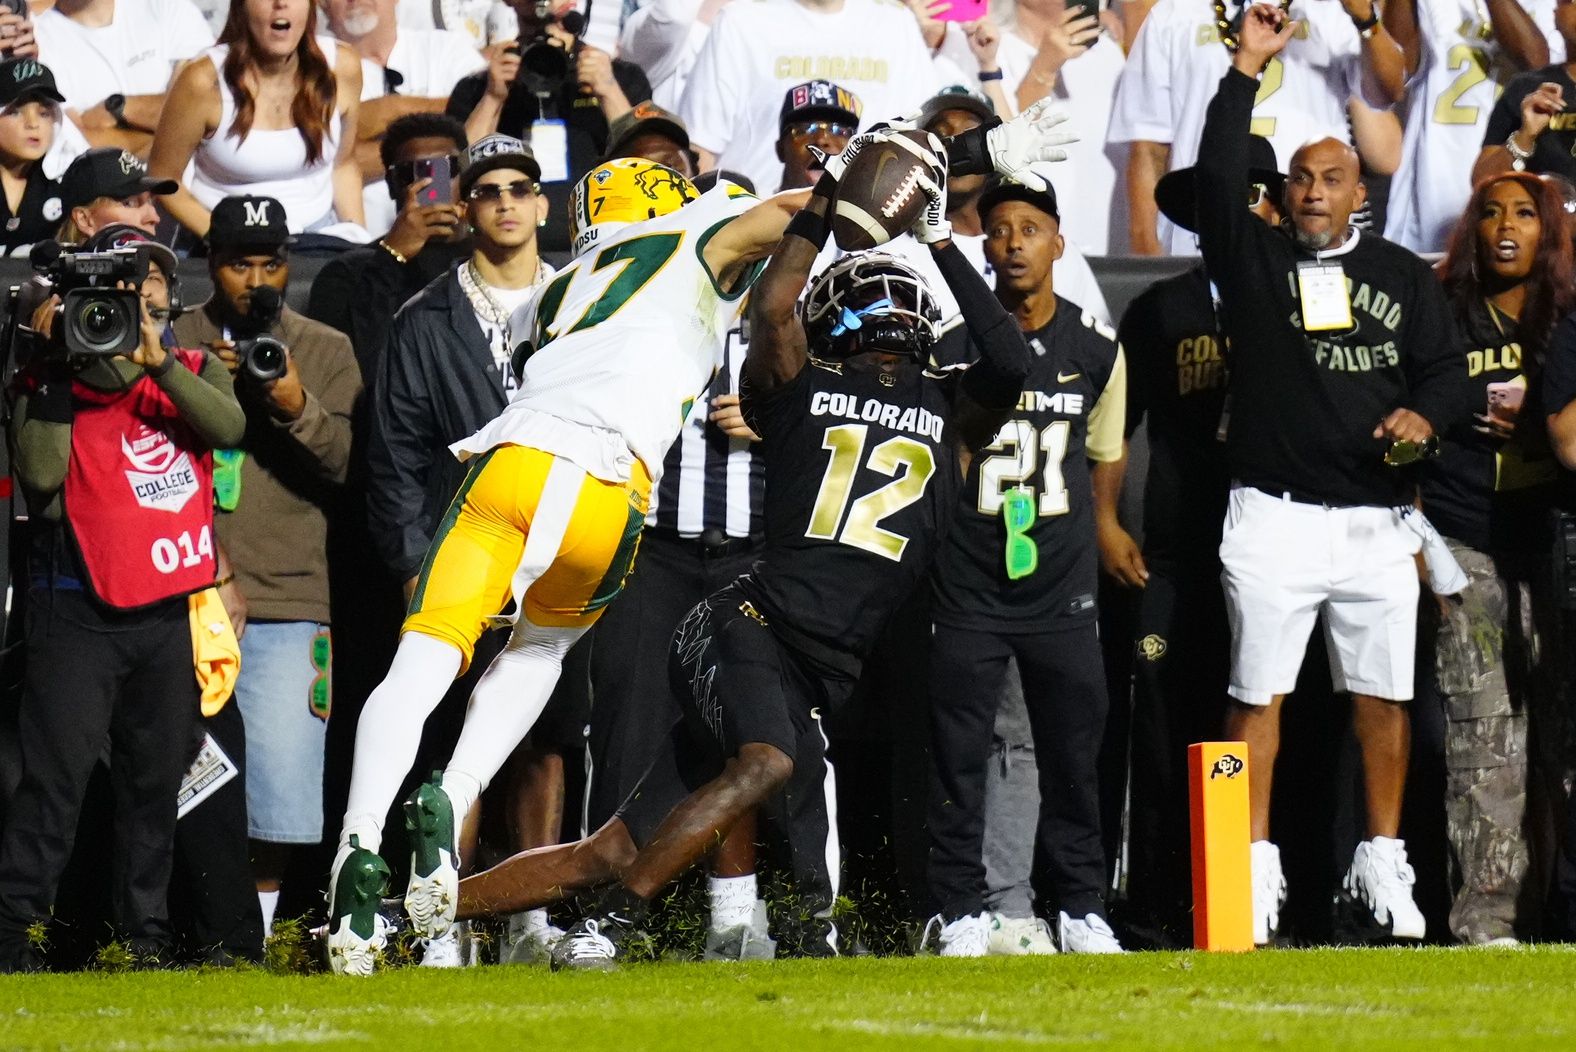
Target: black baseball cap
<point x="124" y="235"/>
<point x="956" y="97"/>
<point x="23" y="79"/>
<point x="1176" y="194"/>
<point x="819" y="100"/>
<point x="247" y="222"/>
<point x="645" y="118"/>
<point x="491" y="152"/>
<point x="107" y="171"/>
<point x="1000" y="190"/>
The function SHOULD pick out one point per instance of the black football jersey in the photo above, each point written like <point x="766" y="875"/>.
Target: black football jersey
<point x="1493" y="495"/>
<point x="1176" y="364"/>
<point x="1071" y="410"/>
<point x="859" y="483"/>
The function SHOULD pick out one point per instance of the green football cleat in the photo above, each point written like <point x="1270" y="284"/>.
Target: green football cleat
<point x="357" y="933"/>
<point x="433" y="893"/>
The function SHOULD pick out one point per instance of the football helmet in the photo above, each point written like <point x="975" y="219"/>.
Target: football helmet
<point x="870" y="301"/>
<point x="619" y="192"/>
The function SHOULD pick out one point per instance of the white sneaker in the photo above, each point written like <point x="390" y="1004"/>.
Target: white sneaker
<point x="528" y="945"/>
<point x="433" y="894"/>
<point x="965" y="937"/>
<point x="1269" y="890"/>
<point x="452" y="949"/>
<point x="1381" y="879"/>
<point x="1090" y="935"/>
<point x="1019" y="936"/>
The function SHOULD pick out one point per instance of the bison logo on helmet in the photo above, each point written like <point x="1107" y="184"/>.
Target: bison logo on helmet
<point x="655" y="179"/>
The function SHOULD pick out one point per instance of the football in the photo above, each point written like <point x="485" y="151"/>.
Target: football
<point x="879" y="197"/>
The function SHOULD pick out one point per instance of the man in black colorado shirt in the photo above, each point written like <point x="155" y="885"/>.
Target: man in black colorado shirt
<point x="1343" y="348"/>
<point x="1070" y="413"/>
<point x="1533" y="125"/>
<point x="1177" y="373"/>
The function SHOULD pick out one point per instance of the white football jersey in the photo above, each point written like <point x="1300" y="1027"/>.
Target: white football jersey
<point x="1460" y="76"/>
<point x="626" y="337"/>
<point x="1175" y="67"/>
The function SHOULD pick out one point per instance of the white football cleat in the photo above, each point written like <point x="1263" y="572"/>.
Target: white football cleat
<point x="1381" y="879"/>
<point x="1020" y="936"/>
<point x="1269" y="890"/>
<point x="356" y="932"/>
<point x="1090" y="935"/>
<point x="742" y="942"/>
<point x="528" y="944"/>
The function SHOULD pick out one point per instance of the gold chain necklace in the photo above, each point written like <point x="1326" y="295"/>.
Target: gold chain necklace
<point x="1223" y="24"/>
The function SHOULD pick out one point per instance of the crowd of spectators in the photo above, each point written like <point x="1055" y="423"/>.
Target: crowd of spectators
<point x="420" y="157"/>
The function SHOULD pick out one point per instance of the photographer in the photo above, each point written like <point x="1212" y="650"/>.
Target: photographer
<point x="298" y="383"/>
<point x="553" y="92"/>
<point x="113" y="454"/>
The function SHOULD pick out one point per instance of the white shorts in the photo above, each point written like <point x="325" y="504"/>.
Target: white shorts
<point x="1283" y="563"/>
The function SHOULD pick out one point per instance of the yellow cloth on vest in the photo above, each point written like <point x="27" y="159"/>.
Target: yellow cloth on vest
<point x="215" y="649"/>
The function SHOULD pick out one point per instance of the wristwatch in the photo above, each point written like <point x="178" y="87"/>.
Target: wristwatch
<point x="115" y="106"/>
<point x="1370" y="25"/>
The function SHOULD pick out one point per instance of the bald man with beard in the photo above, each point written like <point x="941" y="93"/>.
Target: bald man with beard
<point x="1342" y="370"/>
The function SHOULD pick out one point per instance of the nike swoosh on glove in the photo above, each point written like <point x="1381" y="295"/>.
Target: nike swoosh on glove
<point x="1029" y="138"/>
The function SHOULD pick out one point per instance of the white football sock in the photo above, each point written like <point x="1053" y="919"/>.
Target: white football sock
<point x="732" y="901"/>
<point x="504" y="707"/>
<point x="389" y="732"/>
<point x="269" y="901"/>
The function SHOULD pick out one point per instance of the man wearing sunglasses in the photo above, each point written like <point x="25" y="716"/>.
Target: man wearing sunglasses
<point x="1027" y="591"/>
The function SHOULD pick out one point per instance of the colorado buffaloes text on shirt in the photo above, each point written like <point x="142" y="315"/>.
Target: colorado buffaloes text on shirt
<point x="1177" y="373"/>
<point x="1070" y="413"/>
<point x="1304" y="405"/>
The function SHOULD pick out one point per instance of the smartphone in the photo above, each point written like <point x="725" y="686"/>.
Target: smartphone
<point x="1087" y="8"/>
<point x="441" y="190"/>
<point x="1504" y="400"/>
<point x="965" y="11"/>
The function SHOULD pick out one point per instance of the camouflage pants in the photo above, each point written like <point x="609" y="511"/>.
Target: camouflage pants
<point x="1495" y="692"/>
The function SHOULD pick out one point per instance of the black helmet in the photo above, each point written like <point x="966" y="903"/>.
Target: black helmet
<point x="870" y="301"/>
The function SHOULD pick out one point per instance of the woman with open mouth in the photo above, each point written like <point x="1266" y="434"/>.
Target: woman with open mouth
<point x="270" y="110"/>
<point x="1509" y="277"/>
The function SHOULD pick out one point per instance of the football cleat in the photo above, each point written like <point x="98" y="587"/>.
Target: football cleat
<point x="1019" y="937"/>
<point x="588" y="946"/>
<point x="356" y="932"/>
<point x="453" y="949"/>
<point x="525" y="944"/>
<point x="742" y="942"/>
<point x="433" y="893"/>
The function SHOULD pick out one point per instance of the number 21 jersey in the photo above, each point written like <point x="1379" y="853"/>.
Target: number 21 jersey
<point x="859" y="484"/>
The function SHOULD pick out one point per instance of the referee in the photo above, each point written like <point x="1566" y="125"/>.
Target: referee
<point x="1344" y="363"/>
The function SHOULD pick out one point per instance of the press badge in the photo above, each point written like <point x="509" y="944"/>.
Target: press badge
<point x="1326" y="303"/>
<point x="550" y="145"/>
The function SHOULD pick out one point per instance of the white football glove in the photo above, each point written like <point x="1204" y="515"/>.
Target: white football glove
<point x="1028" y="138"/>
<point x="835" y="164"/>
<point x="931" y="225"/>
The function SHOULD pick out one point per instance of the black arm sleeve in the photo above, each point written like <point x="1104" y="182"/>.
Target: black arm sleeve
<point x="1222" y="179"/>
<point x="966" y="152"/>
<point x="996" y="380"/>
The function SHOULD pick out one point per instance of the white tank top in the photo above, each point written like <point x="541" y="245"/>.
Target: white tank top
<point x="266" y="163"/>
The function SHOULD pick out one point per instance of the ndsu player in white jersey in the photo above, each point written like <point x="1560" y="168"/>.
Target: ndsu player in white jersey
<point x="616" y="347"/>
<point x="1459" y="56"/>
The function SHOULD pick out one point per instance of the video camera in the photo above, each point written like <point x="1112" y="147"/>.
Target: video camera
<point x="263" y="358"/>
<point x="95" y="319"/>
<point x="540" y="58"/>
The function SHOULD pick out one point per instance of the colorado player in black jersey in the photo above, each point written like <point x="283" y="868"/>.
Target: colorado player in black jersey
<point x="1025" y="587"/>
<point x="1177" y="369"/>
<point x="865" y="451"/>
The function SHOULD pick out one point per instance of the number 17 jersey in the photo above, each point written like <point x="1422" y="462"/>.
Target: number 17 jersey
<point x="860" y="481"/>
<point x="624" y="339"/>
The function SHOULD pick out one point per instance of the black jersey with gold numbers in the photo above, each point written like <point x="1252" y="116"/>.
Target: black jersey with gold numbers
<point x="861" y="479"/>
<point x="1070" y="412"/>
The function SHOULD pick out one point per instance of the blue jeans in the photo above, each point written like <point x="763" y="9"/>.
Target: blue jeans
<point x="284" y="696"/>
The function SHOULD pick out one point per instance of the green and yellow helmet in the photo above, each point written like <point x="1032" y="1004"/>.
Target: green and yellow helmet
<point x="619" y="192"/>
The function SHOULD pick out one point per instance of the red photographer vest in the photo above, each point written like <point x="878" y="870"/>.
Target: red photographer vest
<point x="139" y="493"/>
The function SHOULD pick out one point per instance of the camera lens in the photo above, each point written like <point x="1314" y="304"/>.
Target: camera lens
<point x="101" y="324"/>
<point x="265" y="359"/>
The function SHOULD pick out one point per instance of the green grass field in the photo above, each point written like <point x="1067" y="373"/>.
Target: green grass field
<point x="1310" y="998"/>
